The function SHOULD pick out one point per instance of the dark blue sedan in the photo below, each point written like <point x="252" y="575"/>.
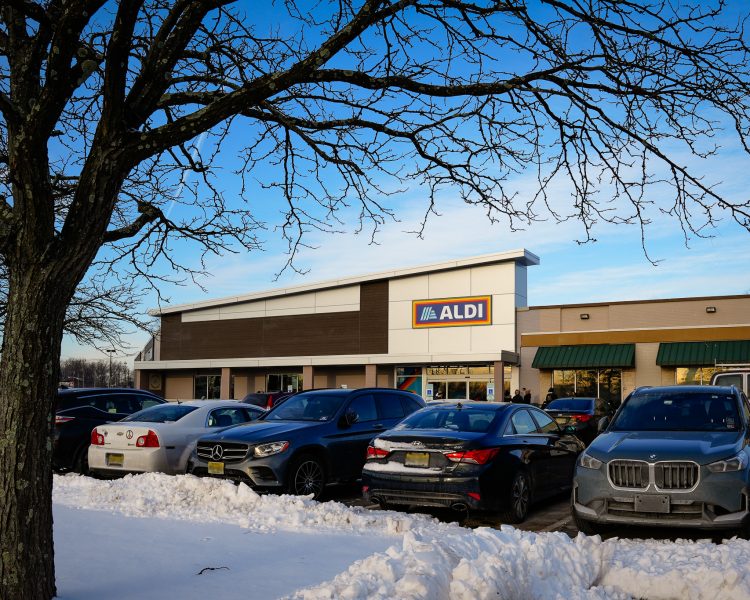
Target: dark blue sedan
<point x="474" y="455"/>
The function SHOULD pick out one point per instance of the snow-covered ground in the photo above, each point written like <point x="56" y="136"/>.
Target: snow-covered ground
<point x="156" y="536"/>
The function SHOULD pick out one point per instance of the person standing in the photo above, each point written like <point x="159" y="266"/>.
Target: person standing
<point x="526" y="396"/>
<point x="551" y="395"/>
<point x="517" y="398"/>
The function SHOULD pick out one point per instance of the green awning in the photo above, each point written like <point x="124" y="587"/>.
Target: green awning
<point x="587" y="356"/>
<point x="703" y="354"/>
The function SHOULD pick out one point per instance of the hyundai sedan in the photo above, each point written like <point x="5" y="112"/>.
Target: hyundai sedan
<point x="474" y="455"/>
<point x="672" y="456"/>
<point x="162" y="437"/>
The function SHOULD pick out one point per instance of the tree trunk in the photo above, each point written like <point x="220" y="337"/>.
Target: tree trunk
<point x="29" y="372"/>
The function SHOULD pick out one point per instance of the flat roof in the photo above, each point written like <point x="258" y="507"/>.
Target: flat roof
<point x="521" y="256"/>
<point x="648" y="301"/>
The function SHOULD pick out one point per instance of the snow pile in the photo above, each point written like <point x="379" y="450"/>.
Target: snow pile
<point x="431" y="560"/>
<point x="215" y="500"/>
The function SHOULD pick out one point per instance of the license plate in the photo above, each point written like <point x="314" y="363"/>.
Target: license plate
<point x="115" y="460"/>
<point x="216" y="468"/>
<point x="654" y="503"/>
<point x="417" y="459"/>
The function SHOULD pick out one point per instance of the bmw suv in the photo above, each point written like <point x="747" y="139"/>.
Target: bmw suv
<point x="311" y="439"/>
<point x="672" y="456"/>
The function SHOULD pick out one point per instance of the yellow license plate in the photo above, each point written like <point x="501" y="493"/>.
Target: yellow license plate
<point x="115" y="460"/>
<point x="417" y="459"/>
<point x="215" y="468"/>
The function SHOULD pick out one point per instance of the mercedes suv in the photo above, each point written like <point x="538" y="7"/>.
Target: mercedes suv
<point x="672" y="456"/>
<point x="311" y="439"/>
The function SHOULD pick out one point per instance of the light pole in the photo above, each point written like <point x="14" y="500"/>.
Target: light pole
<point x="110" y="352"/>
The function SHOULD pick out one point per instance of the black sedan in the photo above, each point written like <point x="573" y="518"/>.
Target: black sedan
<point x="579" y="415"/>
<point x="474" y="455"/>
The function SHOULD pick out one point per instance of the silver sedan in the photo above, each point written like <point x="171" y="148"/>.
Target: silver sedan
<point x="161" y="438"/>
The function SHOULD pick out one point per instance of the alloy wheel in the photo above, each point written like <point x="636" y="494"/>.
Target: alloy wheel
<point x="308" y="479"/>
<point x="520" y="495"/>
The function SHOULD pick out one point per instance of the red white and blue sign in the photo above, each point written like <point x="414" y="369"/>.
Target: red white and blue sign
<point x="452" y="312"/>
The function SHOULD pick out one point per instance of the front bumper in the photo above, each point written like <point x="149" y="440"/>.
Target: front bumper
<point x="259" y="473"/>
<point x="719" y="501"/>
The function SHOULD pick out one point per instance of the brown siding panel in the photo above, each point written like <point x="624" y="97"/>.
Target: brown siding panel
<point x="325" y="334"/>
<point x="373" y="324"/>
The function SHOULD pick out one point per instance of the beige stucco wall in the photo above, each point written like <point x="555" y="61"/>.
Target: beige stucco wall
<point x="500" y="281"/>
<point x="324" y="301"/>
<point x="178" y="387"/>
<point x="240" y="386"/>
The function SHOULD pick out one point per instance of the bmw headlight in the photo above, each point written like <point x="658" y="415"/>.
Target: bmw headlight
<point x="589" y="462"/>
<point x="736" y="463"/>
<point x="270" y="449"/>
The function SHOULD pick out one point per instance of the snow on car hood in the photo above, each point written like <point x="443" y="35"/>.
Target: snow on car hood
<point x="260" y="431"/>
<point x="702" y="447"/>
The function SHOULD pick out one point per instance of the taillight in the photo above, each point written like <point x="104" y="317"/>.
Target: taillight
<point x="150" y="440"/>
<point x="477" y="457"/>
<point x="475" y="496"/>
<point x="583" y="418"/>
<point x="373" y="452"/>
<point x="97" y="439"/>
<point x="59" y="419"/>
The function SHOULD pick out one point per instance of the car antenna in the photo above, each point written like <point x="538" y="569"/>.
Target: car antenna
<point x="459" y="405"/>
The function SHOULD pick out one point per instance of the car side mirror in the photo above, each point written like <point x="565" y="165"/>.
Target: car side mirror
<point x="349" y="418"/>
<point x="602" y="425"/>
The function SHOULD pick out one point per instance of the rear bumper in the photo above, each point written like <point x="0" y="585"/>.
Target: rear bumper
<point x="140" y="460"/>
<point x="409" y="490"/>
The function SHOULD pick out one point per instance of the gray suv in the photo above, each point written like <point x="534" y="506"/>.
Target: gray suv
<point x="672" y="456"/>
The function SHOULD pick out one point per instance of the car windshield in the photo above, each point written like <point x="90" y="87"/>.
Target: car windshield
<point x="678" y="411"/>
<point x="163" y="413"/>
<point x="571" y="404"/>
<point x="476" y="420"/>
<point x="307" y="407"/>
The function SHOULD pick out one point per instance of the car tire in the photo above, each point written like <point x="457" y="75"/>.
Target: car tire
<point x="81" y="461"/>
<point x="306" y="475"/>
<point x="519" y="499"/>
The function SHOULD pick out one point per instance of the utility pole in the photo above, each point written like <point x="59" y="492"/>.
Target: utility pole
<point x="110" y="352"/>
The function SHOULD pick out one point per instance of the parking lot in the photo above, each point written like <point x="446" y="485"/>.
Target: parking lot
<point x="550" y="515"/>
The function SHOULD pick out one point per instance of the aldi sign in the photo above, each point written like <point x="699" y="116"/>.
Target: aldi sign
<point x="452" y="312"/>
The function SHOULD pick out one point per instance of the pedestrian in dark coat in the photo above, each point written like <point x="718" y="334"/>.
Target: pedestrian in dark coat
<point x="517" y="398"/>
<point x="526" y="396"/>
<point x="551" y="395"/>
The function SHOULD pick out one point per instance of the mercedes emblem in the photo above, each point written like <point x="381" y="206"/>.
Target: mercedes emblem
<point x="417" y="443"/>
<point x="217" y="452"/>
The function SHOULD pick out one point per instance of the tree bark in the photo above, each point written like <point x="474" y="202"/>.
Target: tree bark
<point x="29" y="372"/>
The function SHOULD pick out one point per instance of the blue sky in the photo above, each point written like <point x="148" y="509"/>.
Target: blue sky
<point x="612" y="268"/>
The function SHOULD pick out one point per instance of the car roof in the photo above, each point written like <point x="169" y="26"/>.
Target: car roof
<point x="101" y="390"/>
<point x="490" y="405"/>
<point x="346" y="391"/>
<point x="687" y="389"/>
<point x="209" y="403"/>
<point x="573" y="398"/>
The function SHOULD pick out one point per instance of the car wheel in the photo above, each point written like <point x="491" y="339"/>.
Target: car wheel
<point x="519" y="498"/>
<point x="81" y="460"/>
<point x="307" y="476"/>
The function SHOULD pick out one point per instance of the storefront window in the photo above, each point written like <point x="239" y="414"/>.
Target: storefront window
<point x="602" y="383"/>
<point x="284" y="382"/>
<point x="208" y="387"/>
<point x="564" y="383"/>
<point x="694" y="375"/>
<point x="409" y="379"/>
<point x="456" y="390"/>
<point x="447" y="370"/>
<point x="478" y="391"/>
<point x="481" y="370"/>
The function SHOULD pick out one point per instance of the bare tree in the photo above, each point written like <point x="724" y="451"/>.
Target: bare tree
<point x="340" y="104"/>
<point x="95" y="373"/>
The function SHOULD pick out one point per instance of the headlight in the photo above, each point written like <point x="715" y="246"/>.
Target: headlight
<point x="589" y="462"/>
<point x="269" y="449"/>
<point x="736" y="463"/>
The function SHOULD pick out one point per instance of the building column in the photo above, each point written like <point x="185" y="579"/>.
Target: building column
<point x="308" y="377"/>
<point x="226" y="378"/>
<point x="137" y="379"/>
<point x="499" y="377"/>
<point x="371" y="375"/>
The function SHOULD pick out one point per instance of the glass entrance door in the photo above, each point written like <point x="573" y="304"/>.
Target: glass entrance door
<point x="461" y="382"/>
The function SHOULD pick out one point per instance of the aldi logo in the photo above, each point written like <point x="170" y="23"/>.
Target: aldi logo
<point x="452" y="312"/>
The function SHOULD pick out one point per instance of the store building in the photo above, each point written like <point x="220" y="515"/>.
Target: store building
<point x="457" y="330"/>
<point x="444" y="330"/>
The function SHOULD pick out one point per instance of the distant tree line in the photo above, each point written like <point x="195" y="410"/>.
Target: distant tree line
<point x="83" y="372"/>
